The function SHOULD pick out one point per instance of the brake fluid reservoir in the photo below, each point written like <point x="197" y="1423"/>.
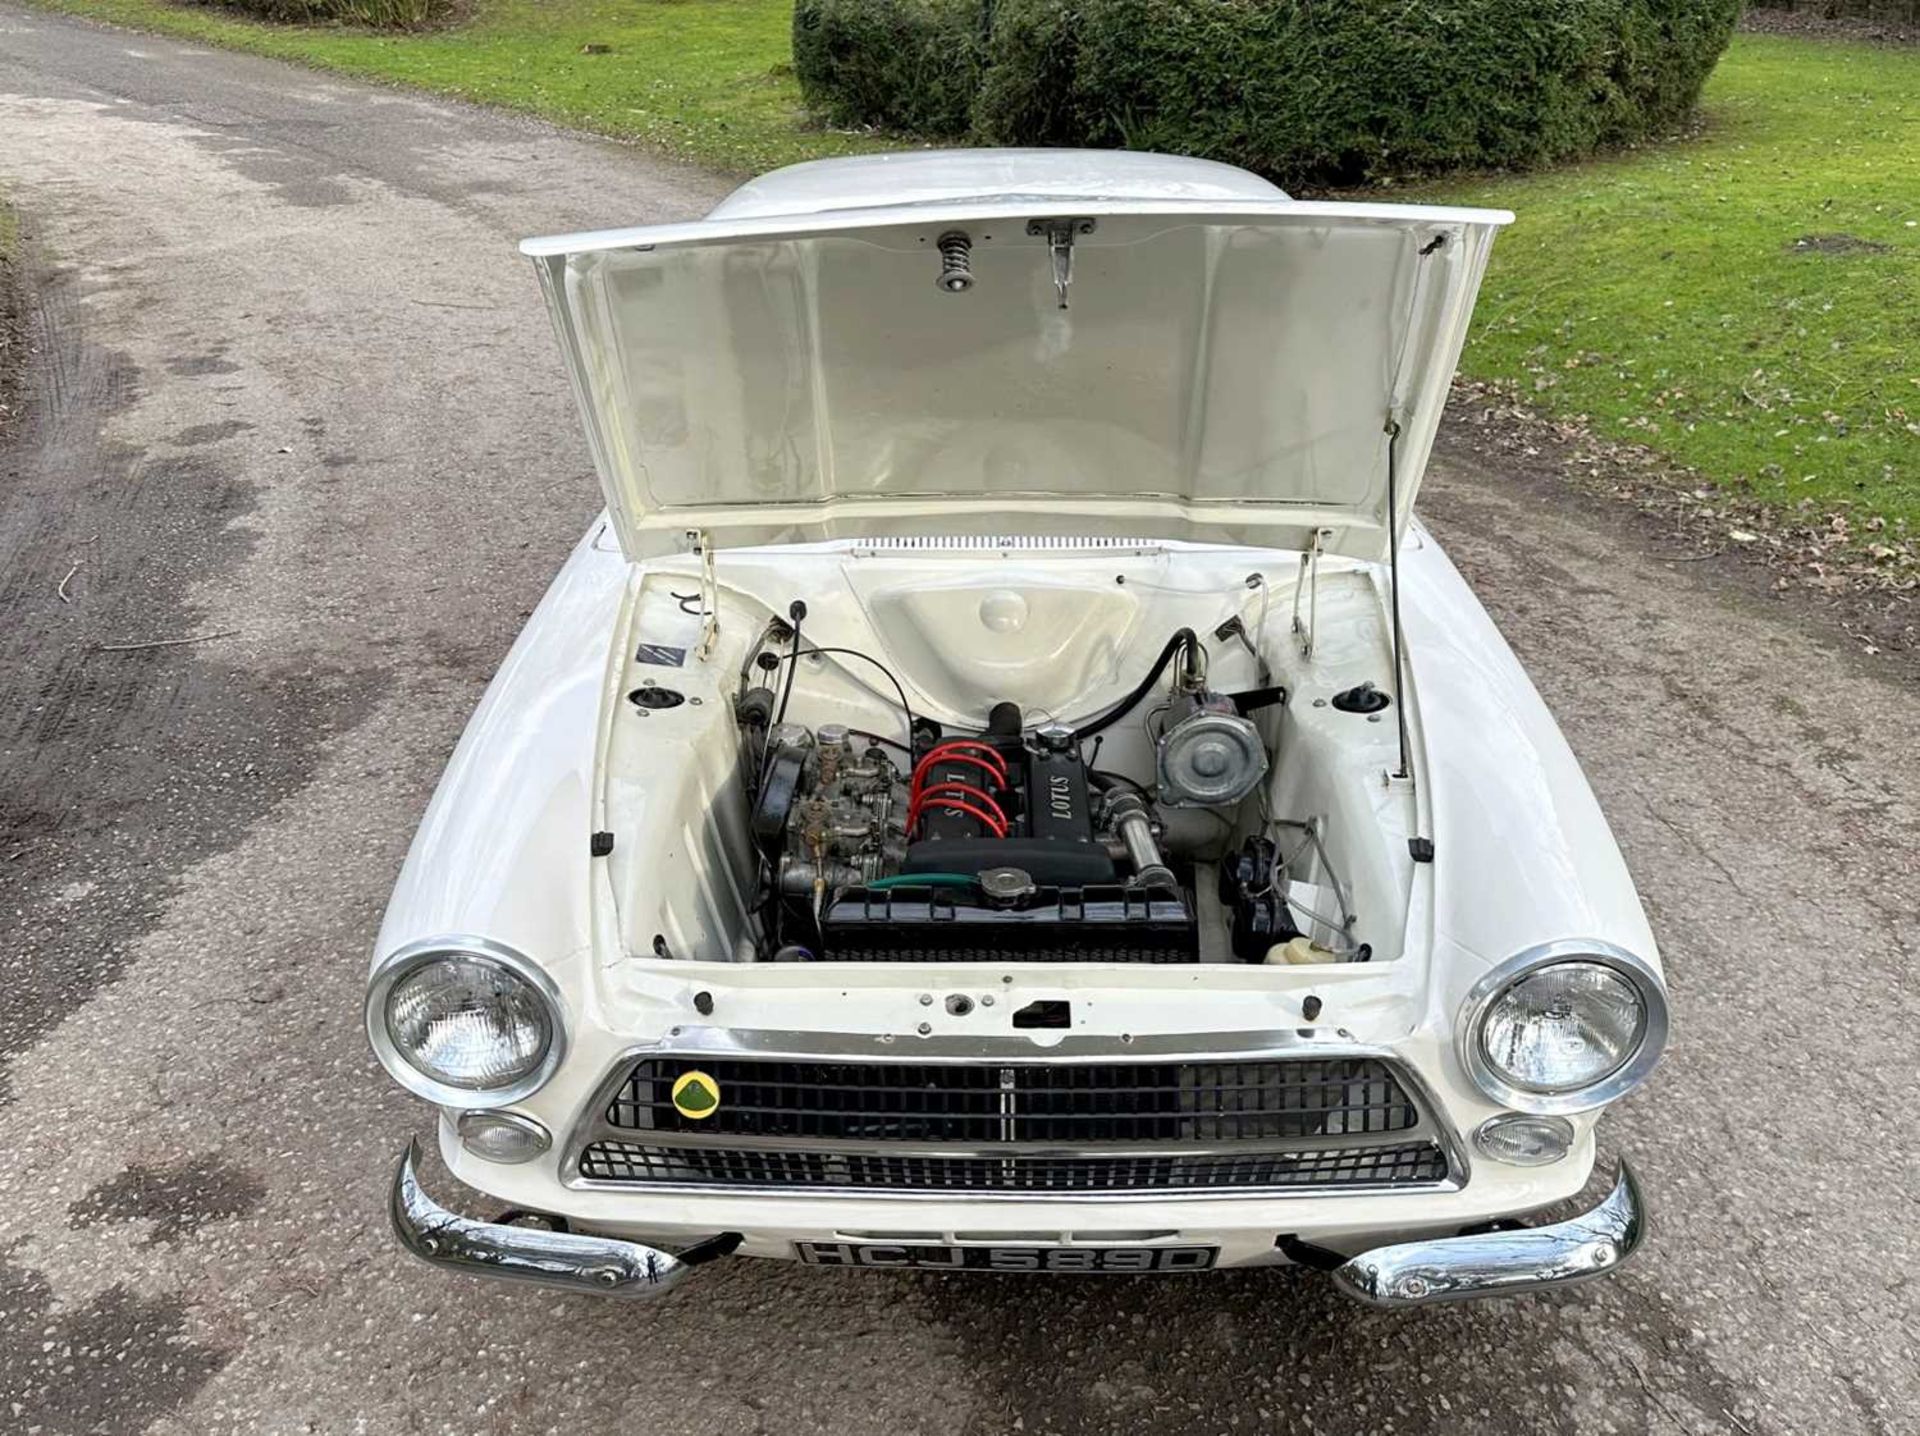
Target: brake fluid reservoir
<point x="1300" y="952"/>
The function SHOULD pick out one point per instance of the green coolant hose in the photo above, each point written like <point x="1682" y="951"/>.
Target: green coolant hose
<point x="921" y="880"/>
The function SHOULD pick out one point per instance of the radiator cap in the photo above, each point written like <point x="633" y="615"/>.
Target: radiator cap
<point x="1007" y="885"/>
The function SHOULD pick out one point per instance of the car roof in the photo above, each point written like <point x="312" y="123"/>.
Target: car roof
<point x="943" y="176"/>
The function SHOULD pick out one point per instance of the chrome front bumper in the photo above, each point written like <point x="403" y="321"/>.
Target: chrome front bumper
<point x="570" y="1261"/>
<point x="1505" y="1263"/>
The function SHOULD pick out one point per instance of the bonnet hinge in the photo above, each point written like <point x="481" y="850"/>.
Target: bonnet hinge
<point x="700" y="543"/>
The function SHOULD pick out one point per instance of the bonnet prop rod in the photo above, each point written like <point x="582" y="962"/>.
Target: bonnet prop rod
<point x="1405" y="770"/>
<point x="1392" y="428"/>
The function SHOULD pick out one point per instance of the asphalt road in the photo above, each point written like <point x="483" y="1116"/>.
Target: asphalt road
<point x="296" y="390"/>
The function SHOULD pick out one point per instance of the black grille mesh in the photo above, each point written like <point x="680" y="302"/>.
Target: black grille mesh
<point x="610" y="1161"/>
<point x="1061" y="1104"/>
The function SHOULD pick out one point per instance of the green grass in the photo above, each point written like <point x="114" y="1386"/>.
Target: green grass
<point x="1659" y="294"/>
<point x="708" y="81"/>
<point x="1662" y="294"/>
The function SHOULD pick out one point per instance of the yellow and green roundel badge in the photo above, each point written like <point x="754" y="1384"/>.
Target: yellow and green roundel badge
<point x="695" y="1095"/>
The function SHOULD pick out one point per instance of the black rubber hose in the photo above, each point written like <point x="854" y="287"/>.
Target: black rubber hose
<point x="1104" y="780"/>
<point x="753" y="652"/>
<point x="1185" y="638"/>
<point x="796" y="611"/>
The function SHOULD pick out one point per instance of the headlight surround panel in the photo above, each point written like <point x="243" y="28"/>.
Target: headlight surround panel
<point x="1630" y="1072"/>
<point x="486" y="957"/>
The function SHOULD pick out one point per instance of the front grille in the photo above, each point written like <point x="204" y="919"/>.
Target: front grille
<point x="1061" y="1104"/>
<point x="1194" y="1125"/>
<point x="611" y="1161"/>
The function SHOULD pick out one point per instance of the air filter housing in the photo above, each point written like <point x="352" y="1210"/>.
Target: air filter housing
<point x="1209" y="756"/>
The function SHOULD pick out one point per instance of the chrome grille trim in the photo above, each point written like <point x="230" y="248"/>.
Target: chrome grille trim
<point x="1068" y="1106"/>
<point x="1423" y="1155"/>
<point x="887" y="1173"/>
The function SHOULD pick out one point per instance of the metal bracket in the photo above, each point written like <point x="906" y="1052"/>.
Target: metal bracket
<point x="699" y="543"/>
<point x="1236" y="628"/>
<point x="1310" y="581"/>
<point x="1060" y="234"/>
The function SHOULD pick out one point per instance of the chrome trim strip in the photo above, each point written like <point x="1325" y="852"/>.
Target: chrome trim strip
<point x="570" y="1261"/>
<point x="1038" y="1151"/>
<point x="1503" y="1263"/>
<point x="402" y="960"/>
<point x="1617" y="1083"/>
<point x="694" y="1043"/>
<point x="989" y="1049"/>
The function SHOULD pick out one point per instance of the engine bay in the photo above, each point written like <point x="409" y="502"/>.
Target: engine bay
<point x="1006" y="840"/>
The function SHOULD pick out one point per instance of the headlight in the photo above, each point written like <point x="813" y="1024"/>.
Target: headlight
<point x="465" y="1022"/>
<point x="1564" y="1027"/>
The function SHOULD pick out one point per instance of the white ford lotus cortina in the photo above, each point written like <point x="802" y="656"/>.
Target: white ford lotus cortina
<point x="1008" y="785"/>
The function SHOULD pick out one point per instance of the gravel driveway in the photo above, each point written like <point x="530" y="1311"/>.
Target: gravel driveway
<point x="296" y="399"/>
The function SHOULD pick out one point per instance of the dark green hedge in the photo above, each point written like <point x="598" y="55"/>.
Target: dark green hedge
<point x="375" y="14"/>
<point x="912" y="65"/>
<point x="1300" y="90"/>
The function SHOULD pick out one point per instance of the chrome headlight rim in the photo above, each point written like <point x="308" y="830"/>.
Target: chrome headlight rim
<point x="484" y="952"/>
<point x="1621" y="1080"/>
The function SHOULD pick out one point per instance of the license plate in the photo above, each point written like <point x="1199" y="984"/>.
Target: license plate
<point x="1062" y="1259"/>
